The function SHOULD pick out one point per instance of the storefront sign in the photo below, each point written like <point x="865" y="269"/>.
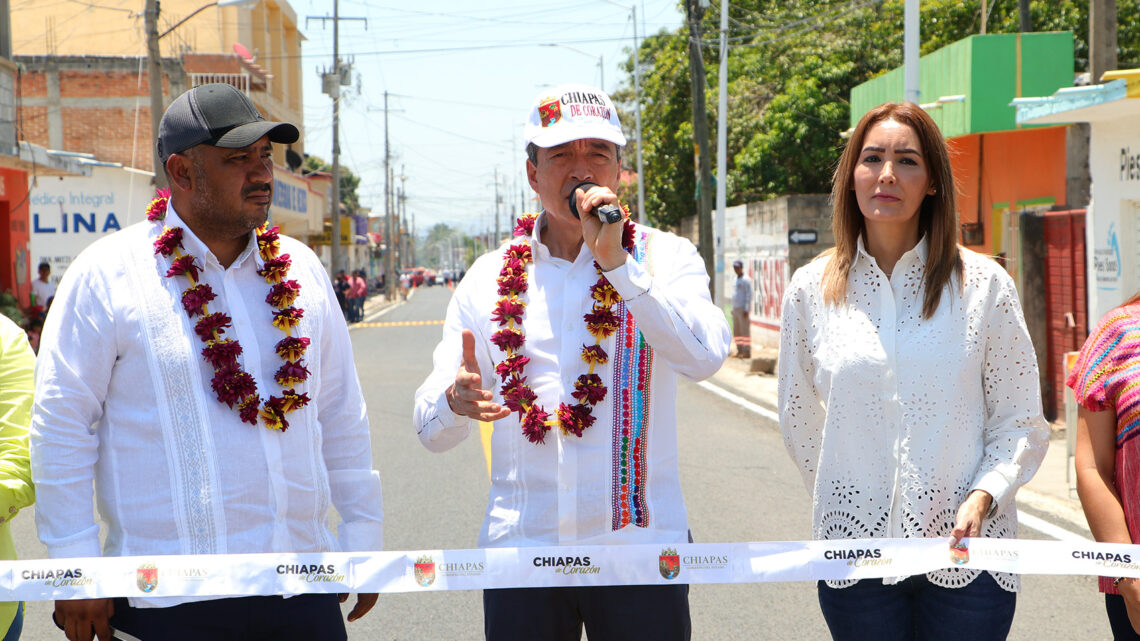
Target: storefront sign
<point x="1129" y="165"/>
<point x="1106" y="261"/>
<point x="70" y="213"/>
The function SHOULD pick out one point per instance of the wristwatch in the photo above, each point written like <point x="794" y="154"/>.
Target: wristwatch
<point x="1117" y="581"/>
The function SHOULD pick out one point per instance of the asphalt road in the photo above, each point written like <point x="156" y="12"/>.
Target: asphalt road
<point x="739" y="486"/>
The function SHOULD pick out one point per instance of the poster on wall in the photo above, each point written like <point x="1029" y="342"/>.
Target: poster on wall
<point x="1107" y="264"/>
<point x="761" y="244"/>
<point x="67" y="214"/>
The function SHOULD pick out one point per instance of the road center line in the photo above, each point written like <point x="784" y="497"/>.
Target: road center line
<point x="1024" y="518"/>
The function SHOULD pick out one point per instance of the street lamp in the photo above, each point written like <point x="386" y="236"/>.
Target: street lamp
<point x="154" y="68"/>
<point x="601" y="60"/>
<point x="637" y="110"/>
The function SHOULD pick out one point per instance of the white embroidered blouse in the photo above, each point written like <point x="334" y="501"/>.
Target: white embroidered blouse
<point x="893" y="419"/>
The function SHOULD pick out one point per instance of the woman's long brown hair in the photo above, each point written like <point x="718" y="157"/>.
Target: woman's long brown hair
<point x="937" y="216"/>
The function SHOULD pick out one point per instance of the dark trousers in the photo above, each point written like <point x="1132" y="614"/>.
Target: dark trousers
<point x="918" y="610"/>
<point x="1118" y="619"/>
<point x="609" y="613"/>
<point x="310" y="617"/>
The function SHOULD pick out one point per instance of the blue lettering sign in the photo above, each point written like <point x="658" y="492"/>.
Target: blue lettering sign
<point x="40" y="230"/>
<point x="78" y="221"/>
<point x="290" y="197"/>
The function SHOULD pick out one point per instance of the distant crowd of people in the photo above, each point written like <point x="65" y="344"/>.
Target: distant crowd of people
<point x="351" y="290"/>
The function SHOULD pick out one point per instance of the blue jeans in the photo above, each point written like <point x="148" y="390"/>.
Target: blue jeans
<point x="918" y="610"/>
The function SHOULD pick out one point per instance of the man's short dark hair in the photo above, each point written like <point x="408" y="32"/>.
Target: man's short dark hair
<point x="43" y="266"/>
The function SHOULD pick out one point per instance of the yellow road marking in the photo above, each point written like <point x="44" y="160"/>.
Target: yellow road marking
<point x="398" y="323"/>
<point x="485" y="430"/>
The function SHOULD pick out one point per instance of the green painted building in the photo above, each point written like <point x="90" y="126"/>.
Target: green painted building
<point x="967" y="87"/>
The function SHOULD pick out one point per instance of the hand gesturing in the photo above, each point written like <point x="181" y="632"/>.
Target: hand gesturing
<point x="466" y="396"/>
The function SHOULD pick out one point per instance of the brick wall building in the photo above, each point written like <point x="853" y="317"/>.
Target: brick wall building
<point x="100" y="105"/>
<point x="80" y="86"/>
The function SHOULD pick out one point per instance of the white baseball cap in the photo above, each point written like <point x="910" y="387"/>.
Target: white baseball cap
<point x="572" y="112"/>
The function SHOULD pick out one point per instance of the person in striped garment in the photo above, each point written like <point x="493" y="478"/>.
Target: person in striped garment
<point x="1105" y="380"/>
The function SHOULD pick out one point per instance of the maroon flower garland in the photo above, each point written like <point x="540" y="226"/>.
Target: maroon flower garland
<point x="601" y="323"/>
<point x="232" y="385"/>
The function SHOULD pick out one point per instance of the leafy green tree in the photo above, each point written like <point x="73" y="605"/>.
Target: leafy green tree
<point x="348" y="181"/>
<point x="666" y="123"/>
<point x="792" y="65"/>
<point x="439" y="238"/>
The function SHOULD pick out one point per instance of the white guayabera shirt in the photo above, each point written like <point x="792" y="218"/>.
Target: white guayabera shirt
<point x="894" y="419"/>
<point x="618" y="483"/>
<point x="123" y="400"/>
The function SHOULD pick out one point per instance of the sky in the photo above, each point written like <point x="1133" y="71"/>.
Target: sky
<point x="460" y="78"/>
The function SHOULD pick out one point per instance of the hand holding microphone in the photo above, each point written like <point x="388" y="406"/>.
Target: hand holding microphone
<point x="607" y="213"/>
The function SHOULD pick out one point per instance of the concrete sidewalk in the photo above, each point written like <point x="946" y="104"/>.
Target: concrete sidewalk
<point x="1050" y="493"/>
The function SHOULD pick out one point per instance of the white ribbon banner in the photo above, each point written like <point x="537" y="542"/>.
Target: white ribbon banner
<point x="432" y="570"/>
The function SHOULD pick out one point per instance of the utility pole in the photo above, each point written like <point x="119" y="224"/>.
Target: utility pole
<point x="334" y="240"/>
<point x="397" y="202"/>
<point x="911" y="37"/>
<point x="1024" y="17"/>
<point x="406" y="248"/>
<point x="721" y="157"/>
<point x="154" y="77"/>
<point x="340" y="75"/>
<point x="398" y="234"/>
<point x="498" y="234"/>
<point x="642" y="218"/>
<point x="1102" y="38"/>
<point x="701" y="139"/>
<point x="390" y="275"/>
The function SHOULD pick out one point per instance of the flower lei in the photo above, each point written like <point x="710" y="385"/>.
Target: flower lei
<point x="601" y="323"/>
<point x="231" y="383"/>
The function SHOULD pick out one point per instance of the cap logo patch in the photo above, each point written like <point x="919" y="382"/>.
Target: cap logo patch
<point x="550" y="111"/>
<point x="584" y="103"/>
<point x="572" y="112"/>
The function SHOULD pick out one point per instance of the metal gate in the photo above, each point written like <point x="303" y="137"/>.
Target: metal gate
<point x="1066" y="297"/>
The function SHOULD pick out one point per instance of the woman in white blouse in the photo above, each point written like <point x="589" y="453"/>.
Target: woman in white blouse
<point x="908" y="387"/>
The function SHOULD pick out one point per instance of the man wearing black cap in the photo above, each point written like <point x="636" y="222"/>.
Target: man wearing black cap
<point x="198" y="373"/>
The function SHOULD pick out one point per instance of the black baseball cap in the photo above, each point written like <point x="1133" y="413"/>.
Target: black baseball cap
<point x="216" y="114"/>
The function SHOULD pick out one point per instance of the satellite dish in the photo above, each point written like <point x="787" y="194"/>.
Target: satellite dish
<point x="240" y="50"/>
<point x="293" y="159"/>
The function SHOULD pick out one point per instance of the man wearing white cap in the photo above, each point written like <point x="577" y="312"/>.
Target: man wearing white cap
<point x="570" y="338"/>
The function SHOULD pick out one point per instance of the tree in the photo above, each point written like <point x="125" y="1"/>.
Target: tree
<point x="439" y="239"/>
<point x="348" y="181"/>
<point x="792" y="65"/>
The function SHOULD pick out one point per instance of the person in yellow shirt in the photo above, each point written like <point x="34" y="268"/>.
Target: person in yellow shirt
<point x="16" y="490"/>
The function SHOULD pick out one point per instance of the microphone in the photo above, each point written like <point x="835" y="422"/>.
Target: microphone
<point x="608" y="213"/>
